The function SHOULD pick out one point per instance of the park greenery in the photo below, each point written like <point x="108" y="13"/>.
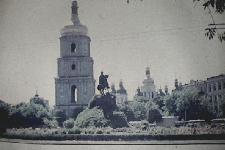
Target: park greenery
<point x="103" y="116"/>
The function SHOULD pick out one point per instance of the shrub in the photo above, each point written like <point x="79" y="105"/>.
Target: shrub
<point x="60" y="116"/>
<point x="68" y="124"/>
<point x="154" y="115"/>
<point x="99" y="131"/>
<point x="126" y="109"/>
<point x="118" y="120"/>
<point x="91" y="118"/>
<point x="74" y="131"/>
<point x="50" y="123"/>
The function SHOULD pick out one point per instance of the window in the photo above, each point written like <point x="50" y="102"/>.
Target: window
<point x="73" y="94"/>
<point x="210" y="99"/>
<point x="219" y="85"/>
<point x="73" y="47"/>
<point x="73" y="67"/>
<point x="214" y="87"/>
<point x="209" y="88"/>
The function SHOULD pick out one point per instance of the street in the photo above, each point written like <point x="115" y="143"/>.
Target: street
<point x="153" y="145"/>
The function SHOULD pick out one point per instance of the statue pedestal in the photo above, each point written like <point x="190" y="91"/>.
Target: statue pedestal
<point x="105" y="102"/>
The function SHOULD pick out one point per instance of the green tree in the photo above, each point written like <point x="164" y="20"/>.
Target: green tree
<point x="159" y="101"/>
<point x="4" y="116"/>
<point x="153" y="112"/>
<point x="29" y="115"/>
<point x="139" y="110"/>
<point x="170" y="104"/>
<point x="214" y="28"/>
<point x="118" y="120"/>
<point x="190" y="104"/>
<point x="127" y="110"/>
<point x="60" y="116"/>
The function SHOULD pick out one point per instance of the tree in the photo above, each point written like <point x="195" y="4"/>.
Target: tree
<point x="188" y="103"/>
<point x="214" y="28"/>
<point x="170" y="104"/>
<point x="4" y="116"/>
<point x="60" y="116"/>
<point x="29" y="115"/>
<point x="127" y="110"/>
<point x="159" y="101"/>
<point x="153" y="112"/>
<point x="139" y="110"/>
<point x="118" y="120"/>
<point x="39" y="100"/>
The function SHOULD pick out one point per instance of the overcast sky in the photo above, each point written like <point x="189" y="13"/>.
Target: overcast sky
<point x="167" y="35"/>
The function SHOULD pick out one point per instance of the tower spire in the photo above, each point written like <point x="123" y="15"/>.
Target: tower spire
<point x="147" y="72"/>
<point x="74" y="13"/>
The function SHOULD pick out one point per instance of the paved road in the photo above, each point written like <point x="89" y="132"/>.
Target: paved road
<point x="154" y="145"/>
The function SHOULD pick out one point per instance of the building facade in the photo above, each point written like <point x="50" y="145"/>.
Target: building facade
<point x="75" y="84"/>
<point x="213" y="89"/>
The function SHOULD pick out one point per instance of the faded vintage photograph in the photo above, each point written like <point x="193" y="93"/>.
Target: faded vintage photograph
<point x="112" y="74"/>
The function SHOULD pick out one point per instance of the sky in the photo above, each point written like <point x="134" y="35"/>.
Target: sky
<point x="167" y="35"/>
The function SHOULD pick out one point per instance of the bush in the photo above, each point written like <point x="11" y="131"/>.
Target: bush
<point x="91" y="118"/>
<point x="69" y="124"/>
<point x="118" y="120"/>
<point x="154" y="115"/>
<point x="74" y="131"/>
<point x="60" y="116"/>
<point x="50" y="123"/>
<point x="126" y="109"/>
<point x="99" y="131"/>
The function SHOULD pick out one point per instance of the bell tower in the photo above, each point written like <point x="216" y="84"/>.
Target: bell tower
<point x="75" y="84"/>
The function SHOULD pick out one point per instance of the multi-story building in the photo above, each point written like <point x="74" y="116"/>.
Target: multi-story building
<point x="213" y="89"/>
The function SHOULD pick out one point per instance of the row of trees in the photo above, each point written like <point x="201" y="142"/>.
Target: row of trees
<point x="35" y="113"/>
<point x="141" y="110"/>
<point x="188" y="104"/>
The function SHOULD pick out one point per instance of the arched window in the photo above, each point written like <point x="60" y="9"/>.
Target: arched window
<point x="73" y="67"/>
<point x="73" y="47"/>
<point x="73" y="94"/>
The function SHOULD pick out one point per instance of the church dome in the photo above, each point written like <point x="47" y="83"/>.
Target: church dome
<point x="77" y="28"/>
<point x="74" y="30"/>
